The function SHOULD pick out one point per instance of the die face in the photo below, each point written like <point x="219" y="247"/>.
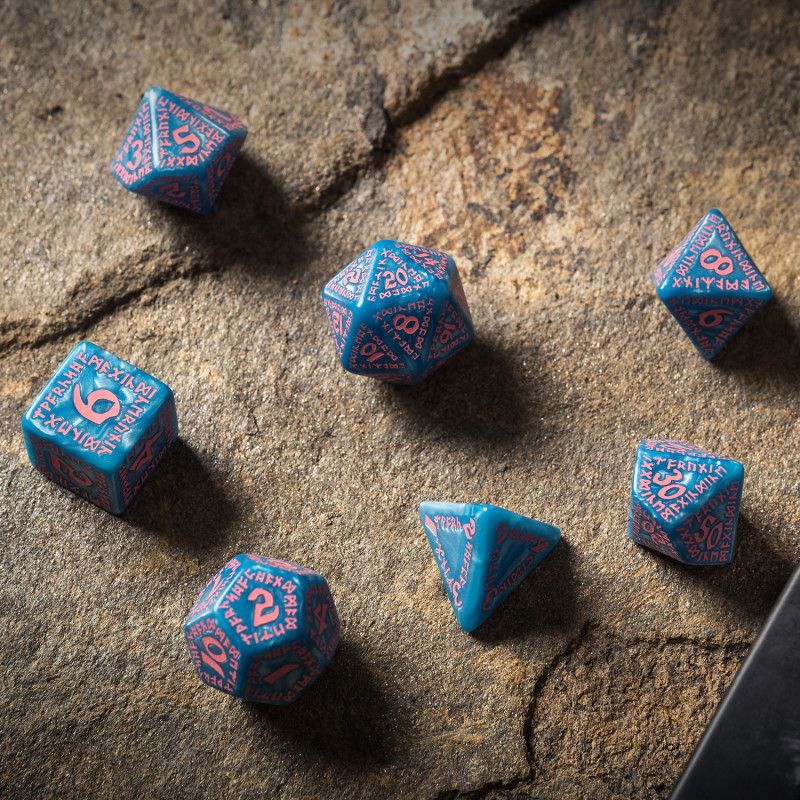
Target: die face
<point x="178" y="150"/>
<point x="452" y="529"/>
<point x="711" y="324"/>
<point x="100" y="426"/>
<point x="279" y="675"/>
<point x="214" y="589"/>
<point x="685" y="502"/>
<point x="644" y="530"/>
<point x="710" y="284"/>
<point x="133" y="163"/>
<point x="278" y="622"/>
<point x="72" y="473"/>
<point x="347" y="286"/>
<point x="397" y="312"/>
<point x="322" y="621"/>
<point x="708" y="537"/>
<point x="519" y="546"/>
<point x="216" y="656"/>
<point x="483" y="553"/>
<point x="665" y="267"/>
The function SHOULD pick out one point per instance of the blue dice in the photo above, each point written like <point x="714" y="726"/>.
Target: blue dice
<point x="685" y="502"/>
<point x="263" y="629"/>
<point x="710" y="284"/>
<point x="100" y="426"/>
<point x="397" y="312"/>
<point x="178" y="151"/>
<point x="484" y="553"/>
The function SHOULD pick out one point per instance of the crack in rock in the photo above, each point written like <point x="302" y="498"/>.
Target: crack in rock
<point x="613" y="717"/>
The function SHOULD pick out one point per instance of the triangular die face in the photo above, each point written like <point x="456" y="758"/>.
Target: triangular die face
<point x="711" y="324"/>
<point x="644" y="530"/>
<point x="407" y="327"/>
<point x="184" y="139"/>
<point x="708" y="536"/>
<point x="370" y="355"/>
<point x="432" y="261"/>
<point x="339" y="320"/>
<point x="450" y="333"/>
<point x="134" y="160"/>
<point x="183" y="191"/>
<point x="664" y="268"/>
<point x="451" y="538"/>
<point x="395" y="277"/>
<point x="715" y="262"/>
<point x="672" y="485"/>
<point x="516" y="552"/>
<point x="349" y="283"/>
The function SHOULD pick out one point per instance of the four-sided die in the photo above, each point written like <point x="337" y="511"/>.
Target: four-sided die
<point x="483" y="553"/>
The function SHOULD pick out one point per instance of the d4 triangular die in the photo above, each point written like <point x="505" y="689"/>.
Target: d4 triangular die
<point x="483" y="553"/>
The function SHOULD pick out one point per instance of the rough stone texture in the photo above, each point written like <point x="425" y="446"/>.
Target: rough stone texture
<point x="558" y="159"/>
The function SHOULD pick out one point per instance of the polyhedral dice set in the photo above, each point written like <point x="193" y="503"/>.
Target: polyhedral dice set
<point x="265" y="629"/>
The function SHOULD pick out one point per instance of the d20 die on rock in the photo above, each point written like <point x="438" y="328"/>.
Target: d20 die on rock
<point x="263" y="629"/>
<point x="685" y="502"/>
<point x="397" y="312"/>
<point x="710" y="284"/>
<point x="178" y="150"/>
<point x="484" y="553"/>
<point x="100" y="426"/>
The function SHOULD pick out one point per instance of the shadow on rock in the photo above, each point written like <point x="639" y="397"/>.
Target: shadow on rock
<point x="767" y="348"/>
<point x="543" y="601"/>
<point x="755" y="578"/>
<point x="183" y="502"/>
<point x="478" y="395"/>
<point x="345" y="718"/>
<point x="251" y="225"/>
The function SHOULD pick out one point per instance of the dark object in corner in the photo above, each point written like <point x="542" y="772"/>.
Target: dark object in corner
<point x="751" y="748"/>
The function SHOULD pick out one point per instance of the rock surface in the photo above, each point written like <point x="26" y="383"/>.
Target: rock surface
<point x="558" y="156"/>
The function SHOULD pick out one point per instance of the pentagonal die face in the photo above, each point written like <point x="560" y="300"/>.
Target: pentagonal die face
<point x="100" y="426"/>
<point x="397" y="312"/>
<point x="685" y="502"/>
<point x="178" y="150"/>
<point x="710" y="284"/>
<point x="263" y="629"/>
